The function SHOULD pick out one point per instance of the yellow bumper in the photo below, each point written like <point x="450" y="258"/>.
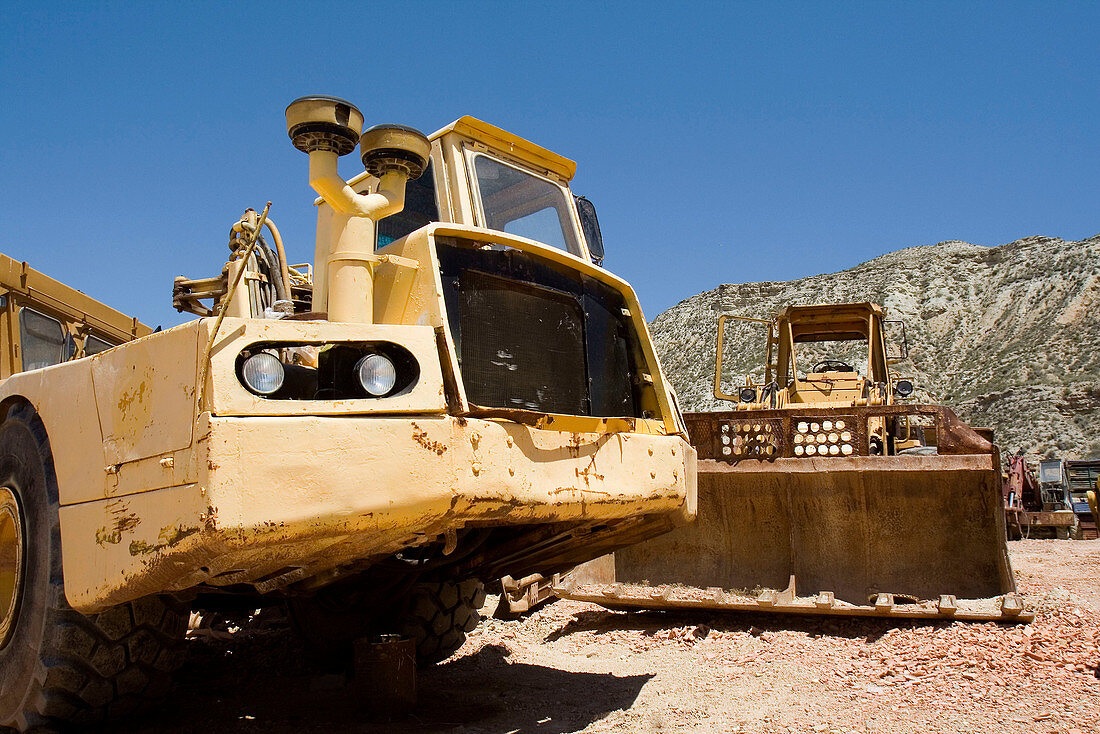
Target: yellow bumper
<point x="276" y="500"/>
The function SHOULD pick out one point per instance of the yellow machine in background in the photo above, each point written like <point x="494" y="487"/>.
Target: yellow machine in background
<point x="823" y="492"/>
<point x="1094" y="506"/>
<point x="454" y="392"/>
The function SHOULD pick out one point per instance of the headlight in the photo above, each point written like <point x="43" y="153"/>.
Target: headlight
<point x="903" y="388"/>
<point x="263" y="373"/>
<point x="748" y="394"/>
<point x="376" y="374"/>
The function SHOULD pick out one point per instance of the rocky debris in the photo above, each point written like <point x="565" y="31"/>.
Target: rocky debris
<point x="1009" y="336"/>
<point x="857" y="674"/>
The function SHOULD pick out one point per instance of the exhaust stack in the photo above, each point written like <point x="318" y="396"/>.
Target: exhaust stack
<point x="326" y="128"/>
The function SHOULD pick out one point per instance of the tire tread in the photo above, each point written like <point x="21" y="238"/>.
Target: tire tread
<point x="438" y="616"/>
<point x="89" y="667"/>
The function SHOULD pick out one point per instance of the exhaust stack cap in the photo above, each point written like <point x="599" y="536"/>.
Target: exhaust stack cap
<point x="318" y="122"/>
<point x="387" y="148"/>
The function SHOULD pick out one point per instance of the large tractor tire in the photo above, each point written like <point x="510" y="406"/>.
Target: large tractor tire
<point x="58" y="666"/>
<point x="439" y="614"/>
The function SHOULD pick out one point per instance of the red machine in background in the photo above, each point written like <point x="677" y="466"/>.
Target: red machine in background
<point x="1038" y="507"/>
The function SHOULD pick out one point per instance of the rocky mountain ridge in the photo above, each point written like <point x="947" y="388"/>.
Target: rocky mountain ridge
<point x="1008" y="336"/>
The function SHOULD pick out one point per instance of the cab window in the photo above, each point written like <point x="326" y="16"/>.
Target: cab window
<point x="420" y="209"/>
<point x="518" y="202"/>
<point x="95" y="345"/>
<point x="42" y="339"/>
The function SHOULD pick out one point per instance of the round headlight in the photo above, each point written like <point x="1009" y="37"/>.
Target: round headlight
<point x="263" y="373"/>
<point x="903" y="388"/>
<point x="748" y="394"/>
<point x="377" y="374"/>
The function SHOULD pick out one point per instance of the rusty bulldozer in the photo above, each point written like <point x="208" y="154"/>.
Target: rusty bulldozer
<point x="827" y="490"/>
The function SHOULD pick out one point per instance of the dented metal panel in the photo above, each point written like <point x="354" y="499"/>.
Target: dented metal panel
<point x="280" y="499"/>
<point x="145" y="394"/>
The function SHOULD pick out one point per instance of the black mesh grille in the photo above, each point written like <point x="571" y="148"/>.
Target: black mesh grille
<point x="522" y="346"/>
<point x="531" y="335"/>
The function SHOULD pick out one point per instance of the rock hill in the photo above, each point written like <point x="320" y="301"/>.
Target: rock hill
<point x="1008" y="336"/>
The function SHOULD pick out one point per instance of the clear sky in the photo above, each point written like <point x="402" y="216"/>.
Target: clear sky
<point x="720" y="143"/>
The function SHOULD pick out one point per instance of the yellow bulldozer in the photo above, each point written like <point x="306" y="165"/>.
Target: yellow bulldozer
<point x="452" y="392"/>
<point x="827" y="489"/>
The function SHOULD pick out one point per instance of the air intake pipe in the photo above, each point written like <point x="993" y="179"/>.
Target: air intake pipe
<point x="327" y="128"/>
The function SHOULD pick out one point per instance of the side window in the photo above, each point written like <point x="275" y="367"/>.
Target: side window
<point x="42" y="339"/>
<point x="420" y="209"/>
<point x="95" y="345"/>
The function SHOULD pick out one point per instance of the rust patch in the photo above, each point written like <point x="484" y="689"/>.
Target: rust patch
<point x="582" y="490"/>
<point x="129" y="397"/>
<point x="589" y="472"/>
<point x="104" y="536"/>
<point x="124" y="521"/>
<point x="169" y="537"/>
<point x="501" y="507"/>
<point x="211" y="519"/>
<point x="127" y="523"/>
<point x="421" y="437"/>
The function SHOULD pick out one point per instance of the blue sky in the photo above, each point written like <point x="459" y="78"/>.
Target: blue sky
<point x="720" y="142"/>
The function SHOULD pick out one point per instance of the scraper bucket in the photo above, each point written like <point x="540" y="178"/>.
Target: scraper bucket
<point x="917" y="527"/>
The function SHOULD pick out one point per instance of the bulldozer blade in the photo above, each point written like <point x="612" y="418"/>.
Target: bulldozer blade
<point x="895" y="536"/>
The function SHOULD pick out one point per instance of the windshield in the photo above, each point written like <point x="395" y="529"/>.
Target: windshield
<point x="848" y="355"/>
<point x="523" y="204"/>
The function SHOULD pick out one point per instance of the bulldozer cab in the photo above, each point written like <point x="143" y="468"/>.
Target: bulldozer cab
<point x="483" y="176"/>
<point x="830" y="354"/>
<point x="833" y="355"/>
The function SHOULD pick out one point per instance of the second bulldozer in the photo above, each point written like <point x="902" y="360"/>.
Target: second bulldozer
<point x="827" y="490"/>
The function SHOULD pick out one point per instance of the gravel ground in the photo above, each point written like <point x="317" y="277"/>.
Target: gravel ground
<point x="573" y="667"/>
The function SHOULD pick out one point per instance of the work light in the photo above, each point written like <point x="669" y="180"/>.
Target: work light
<point x="263" y="373"/>
<point x="376" y="374"/>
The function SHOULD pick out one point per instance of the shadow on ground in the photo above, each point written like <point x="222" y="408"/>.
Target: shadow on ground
<point x="265" y="683"/>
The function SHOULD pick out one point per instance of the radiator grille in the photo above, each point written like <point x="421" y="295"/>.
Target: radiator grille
<point x="535" y="336"/>
<point x="522" y="346"/>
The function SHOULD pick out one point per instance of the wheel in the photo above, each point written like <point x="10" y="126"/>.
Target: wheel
<point x="58" y="666"/>
<point x="437" y="615"/>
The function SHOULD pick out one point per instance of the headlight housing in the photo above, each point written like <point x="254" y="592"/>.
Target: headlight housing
<point x="903" y="388"/>
<point x="333" y="371"/>
<point x="747" y="394"/>
<point x="263" y="373"/>
<point x="377" y="374"/>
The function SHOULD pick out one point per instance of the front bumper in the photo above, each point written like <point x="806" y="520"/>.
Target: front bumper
<point x="277" y="500"/>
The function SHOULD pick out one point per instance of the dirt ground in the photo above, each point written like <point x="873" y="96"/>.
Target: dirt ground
<point x="573" y="667"/>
